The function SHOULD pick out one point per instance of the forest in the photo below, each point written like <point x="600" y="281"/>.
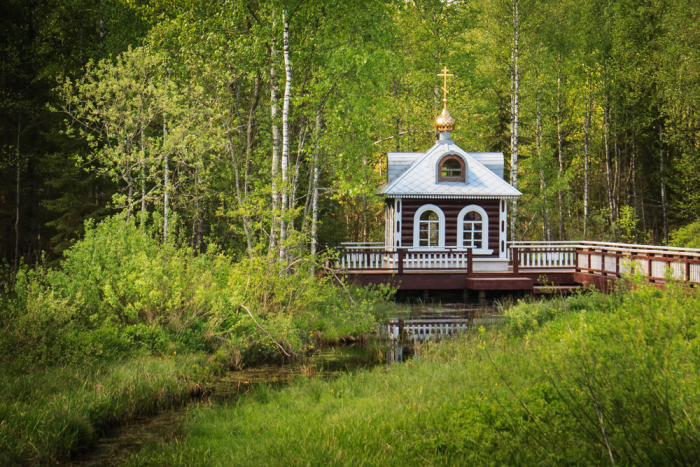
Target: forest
<point x="176" y="176"/>
<point x="264" y="126"/>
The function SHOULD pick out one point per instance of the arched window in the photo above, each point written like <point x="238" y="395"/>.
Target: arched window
<point x="473" y="229"/>
<point x="451" y="169"/>
<point x="429" y="227"/>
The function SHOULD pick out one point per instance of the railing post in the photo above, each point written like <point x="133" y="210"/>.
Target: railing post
<point x="687" y="269"/>
<point x="401" y="256"/>
<point x="589" y="261"/>
<point x="470" y="261"/>
<point x="649" y="256"/>
<point x="516" y="260"/>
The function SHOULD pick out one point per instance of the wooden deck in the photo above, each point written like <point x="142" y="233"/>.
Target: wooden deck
<point x="538" y="267"/>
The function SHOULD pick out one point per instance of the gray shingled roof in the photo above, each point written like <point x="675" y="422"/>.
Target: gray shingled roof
<point x="419" y="180"/>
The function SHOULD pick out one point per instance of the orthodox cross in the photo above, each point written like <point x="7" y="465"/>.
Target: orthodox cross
<point x="444" y="75"/>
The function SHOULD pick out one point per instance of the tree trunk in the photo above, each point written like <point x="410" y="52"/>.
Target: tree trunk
<point x="608" y="174"/>
<point x="274" y="109"/>
<point x="166" y="178"/>
<point x="546" y="234"/>
<point x="143" y="178"/>
<point x="515" y="95"/>
<point x="317" y="173"/>
<point x="250" y="131"/>
<point x="19" y="160"/>
<point x="238" y="185"/>
<point x="635" y="195"/>
<point x="586" y="138"/>
<point x="285" y="129"/>
<point x="560" y="144"/>
<point x="130" y="196"/>
<point x="662" y="174"/>
<point x="197" y="218"/>
<point x="295" y="177"/>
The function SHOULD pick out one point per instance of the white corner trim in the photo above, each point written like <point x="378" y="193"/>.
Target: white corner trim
<point x="416" y="226"/>
<point x="484" y="233"/>
<point x="398" y="224"/>
<point x="502" y="229"/>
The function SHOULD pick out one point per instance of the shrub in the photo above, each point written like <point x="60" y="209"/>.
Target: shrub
<point x="120" y="290"/>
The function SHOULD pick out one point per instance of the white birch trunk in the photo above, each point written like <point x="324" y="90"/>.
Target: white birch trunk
<point x="560" y="144"/>
<point x="635" y="195"/>
<point x="586" y="137"/>
<point x="662" y="174"/>
<point x="274" y="109"/>
<point x="317" y="173"/>
<point x="143" y="178"/>
<point x="608" y="171"/>
<point x="285" y="130"/>
<point x="515" y="96"/>
<point x="546" y="234"/>
<point x="166" y="179"/>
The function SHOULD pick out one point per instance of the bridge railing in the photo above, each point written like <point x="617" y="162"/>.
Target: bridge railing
<point x="600" y="258"/>
<point x="401" y="259"/>
<point x="611" y="259"/>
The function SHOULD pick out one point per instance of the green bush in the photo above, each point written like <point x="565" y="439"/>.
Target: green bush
<point x="528" y="315"/>
<point x="687" y="236"/>
<point x="121" y="291"/>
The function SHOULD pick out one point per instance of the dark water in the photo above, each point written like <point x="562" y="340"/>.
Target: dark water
<point x="327" y="362"/>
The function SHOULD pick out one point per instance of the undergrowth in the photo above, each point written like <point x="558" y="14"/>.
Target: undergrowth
<point x="121" y="291"/>
<point x="100" y="339"/>
<point x="607" y="380"/>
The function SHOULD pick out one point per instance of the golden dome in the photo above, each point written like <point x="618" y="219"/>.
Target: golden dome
<point x="444" y="121"/>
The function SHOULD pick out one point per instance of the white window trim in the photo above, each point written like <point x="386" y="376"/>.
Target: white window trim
<point x="485" y="232"/>
<point x="416" y="228"/>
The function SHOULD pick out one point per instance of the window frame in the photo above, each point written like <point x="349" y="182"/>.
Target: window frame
<point x="449" y="157"/>
<point x="441" y="227"/>
<point x="484" y="250"/>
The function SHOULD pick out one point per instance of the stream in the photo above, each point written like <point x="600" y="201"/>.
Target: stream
<point x="417" y="324"/>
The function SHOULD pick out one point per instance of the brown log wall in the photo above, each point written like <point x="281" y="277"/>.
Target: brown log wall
<point x="451" y="208"/>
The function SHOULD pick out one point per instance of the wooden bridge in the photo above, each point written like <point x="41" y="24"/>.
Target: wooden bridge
<point x="539" y="267"/>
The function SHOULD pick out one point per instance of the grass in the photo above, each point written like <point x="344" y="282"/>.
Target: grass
<point x="595" y="380"/>
<point x="48" y="414"/>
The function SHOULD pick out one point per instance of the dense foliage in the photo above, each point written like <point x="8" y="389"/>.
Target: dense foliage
<point x="120" y="292"/>
<point x="199" y="109"/>
<point x="605" y="380"/>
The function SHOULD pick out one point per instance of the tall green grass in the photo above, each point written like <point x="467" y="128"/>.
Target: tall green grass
<point x="604" y="380"/>
<point x="48" y="414"/>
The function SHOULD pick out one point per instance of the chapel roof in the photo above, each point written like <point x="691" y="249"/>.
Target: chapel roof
<point x="419" y="179"/>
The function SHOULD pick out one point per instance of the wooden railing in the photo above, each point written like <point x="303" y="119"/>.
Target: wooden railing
<point x="539" y="255"/>
<point x="656" y="263"/>
<point x="402" y="259"/>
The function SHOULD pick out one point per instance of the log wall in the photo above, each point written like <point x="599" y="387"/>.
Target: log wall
<point x="451" y="208"/>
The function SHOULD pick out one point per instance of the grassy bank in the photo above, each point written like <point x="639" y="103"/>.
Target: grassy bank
<point x="48" y="414"/>
<point x="582" y="382"/>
